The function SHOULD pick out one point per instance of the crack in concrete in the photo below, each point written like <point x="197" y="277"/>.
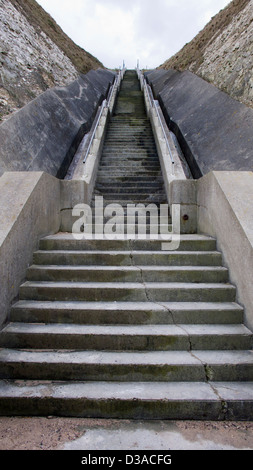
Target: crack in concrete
<point x="159" y="303"/>
<point x="206" y="367"/>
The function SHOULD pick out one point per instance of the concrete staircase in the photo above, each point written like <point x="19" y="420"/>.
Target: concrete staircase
<point x="121" y="329"/>
<point x="129" y="170"/>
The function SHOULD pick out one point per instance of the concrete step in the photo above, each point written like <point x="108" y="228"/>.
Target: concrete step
<point x="147" y="166"/>
<point x="132" y="313"/>
<point x="132" y="137"/>
<point x="129" y="123"/>
<point x="127" y="196"/>
<point x="148" y="400"/>
<point x="140" y="232"/>
<point x="125" y="202"/>
<point x="129" y="160"/>
<point x="128" y="274"/>
<point x="135" y="171"/>
<point x="126" y="337"/>
<point x="130" y="180"/>
<point x="133" y="158"/>
<point x="123" y="220"/>
<point x="130" y="134"/>
<point x="130" y="186"/>
<point x="127" y="190"/>
<point x="124" y="150"/>
<point x="128" y="258"/>
<point x="66" y="241"/>
<point x="126" y="158"/>
<point x="129" y="120"/>
<point x="124" y="142"/>
<point x="132" y="144"/>
<point x="128" y="291"/>
<point x="127" y="366"/>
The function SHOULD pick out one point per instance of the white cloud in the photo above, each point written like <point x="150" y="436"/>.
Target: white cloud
<point x="148" y="30"/>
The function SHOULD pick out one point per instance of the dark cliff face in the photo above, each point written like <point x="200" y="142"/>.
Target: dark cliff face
<point x="35" y="54"/>
<point x="222" y="53"/>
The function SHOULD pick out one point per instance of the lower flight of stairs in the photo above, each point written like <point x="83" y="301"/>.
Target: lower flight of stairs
<point x="121" y="329"/>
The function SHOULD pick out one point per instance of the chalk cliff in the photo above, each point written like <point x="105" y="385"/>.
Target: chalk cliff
<point x="35" y="54"/>
<point x="222" y="53"/>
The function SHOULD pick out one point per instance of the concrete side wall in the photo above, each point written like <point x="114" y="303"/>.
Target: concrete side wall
<point x="225" y="210"/>
<point x="30" y="209"/>
<point x="214" y="130"/>
<point x="220" y="205"/>
<point x="44" y="135"/>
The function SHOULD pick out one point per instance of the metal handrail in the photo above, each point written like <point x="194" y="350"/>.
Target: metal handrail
<point x="164" y="133"/>
<point x="153" y="104"/>
<point x="94" y="131"/>
<point x="115" y="85"/>
<point x="147" y="92"/>
<point x="106" y="103"/>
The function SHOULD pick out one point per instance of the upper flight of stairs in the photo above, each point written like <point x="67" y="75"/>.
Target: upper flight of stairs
<point x="129" y="170"/>
<point x="121" y="329"/>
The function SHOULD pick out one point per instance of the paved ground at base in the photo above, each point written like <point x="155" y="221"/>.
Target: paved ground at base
<point x="54" y="433"/>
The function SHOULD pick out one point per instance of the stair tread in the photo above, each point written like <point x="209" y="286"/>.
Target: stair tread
<point x="127" y="285"/>
<point x="196" y="358"/>
<point x="139" y="330"/>
<point x="184" y="237"/>
<point x="146" y="268"/>
<point x="135" y="253"/>
<point x="122" y="306"/>
<point x="179" y="391"/>
<point x="119" y="312"/>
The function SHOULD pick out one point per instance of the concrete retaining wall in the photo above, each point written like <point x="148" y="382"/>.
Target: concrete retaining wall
<point x="44" y="135"/>
<point x="215" y="131"/>
<point x="30" y="209"/>
<point x="220" y="204"/>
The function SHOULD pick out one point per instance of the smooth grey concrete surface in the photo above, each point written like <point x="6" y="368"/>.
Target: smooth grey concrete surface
<point x="184" y="193"/>
<point x="30" y="209"/>
<point x="213" y="129"/>
<point x="225" y="211"/>
<point x="163" y="435"/>
<point x="44" y="135"/>
<point x="220" y="205"/>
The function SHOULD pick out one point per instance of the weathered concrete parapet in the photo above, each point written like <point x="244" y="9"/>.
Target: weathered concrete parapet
<point x="184" y="192"/>
<point x="213" y="130"/>
<point x="225" y="210"/>
<point x="44" y="135"/>
<point x="30" y="209"/>
<point x="220" y="204"/>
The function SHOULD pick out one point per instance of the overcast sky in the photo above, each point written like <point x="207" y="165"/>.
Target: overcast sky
<point x="116" y="30"/>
